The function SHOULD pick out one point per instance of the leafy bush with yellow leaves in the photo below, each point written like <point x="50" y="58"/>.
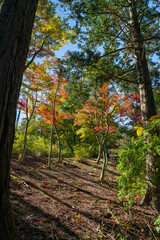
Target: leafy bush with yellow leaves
<point x="132" y="162"/>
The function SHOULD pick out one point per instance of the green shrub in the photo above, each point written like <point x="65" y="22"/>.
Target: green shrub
<point x="18" y="143"/>
<point x="54" y="151"/>
<point x="157" y="224"/>
<point x="132" y="163"/>
<point x="35" y="145"/>
<point x="81" y="152"/>
<point x="40" y="147"/>
<point x="132" y="168"/>
<point x="66" y="152"/>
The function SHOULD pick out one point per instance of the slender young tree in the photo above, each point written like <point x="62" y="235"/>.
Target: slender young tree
<point x="28" y="101"/>
<point x="53" y="94"/>
<point x="29" y="111"/>
<point x="16" y="22"/>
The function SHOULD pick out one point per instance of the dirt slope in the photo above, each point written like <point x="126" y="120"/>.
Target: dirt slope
<point x="68" y="202"/>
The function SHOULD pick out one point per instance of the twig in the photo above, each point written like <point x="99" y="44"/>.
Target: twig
<point x="109" y="236"/>
<point x="150" y="229"/>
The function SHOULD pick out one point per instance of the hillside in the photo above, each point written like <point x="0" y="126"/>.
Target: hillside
<point x="69" y="202"/>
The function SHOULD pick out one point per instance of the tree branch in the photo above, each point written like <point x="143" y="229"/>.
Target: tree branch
<point x="115" y="51"/>
<point x="106" y="13"/>
<point x="119" y="78"/>
<point x="152" y="38"/>
<point x="35" y="54"/>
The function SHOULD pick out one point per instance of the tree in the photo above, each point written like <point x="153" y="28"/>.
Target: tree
<point x="49" y="32"/>
<point x="16" y="22"/>
<point x="96" y="118"/>
<point x="48" y="35"/>
<point x="53" y="95"/>
<point x="126" y="32"/>
<point x="28" y="101"/>
<point x="148" y="108"/>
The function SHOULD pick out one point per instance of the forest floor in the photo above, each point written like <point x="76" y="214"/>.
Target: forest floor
<point x="68" y="202"/>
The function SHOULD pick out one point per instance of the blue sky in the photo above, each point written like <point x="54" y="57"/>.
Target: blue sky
<point x="69" y="46"/>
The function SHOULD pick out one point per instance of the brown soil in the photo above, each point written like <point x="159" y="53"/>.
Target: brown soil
<point x="68" y="202"/>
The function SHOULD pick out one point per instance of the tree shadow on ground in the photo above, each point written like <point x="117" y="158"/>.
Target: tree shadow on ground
<point x="70" y="203"/>
<point x="27" y="226"/>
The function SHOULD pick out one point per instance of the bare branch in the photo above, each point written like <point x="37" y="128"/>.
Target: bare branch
<point x="35" y="54"/>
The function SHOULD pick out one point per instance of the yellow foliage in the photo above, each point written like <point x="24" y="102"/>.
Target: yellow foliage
<point x="83" y="132"/>
<point x="139" y="131"/>
<point x="48" y="27"/>
<point x="154" y="117"/>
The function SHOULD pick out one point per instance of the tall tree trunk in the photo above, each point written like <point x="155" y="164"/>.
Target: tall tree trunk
<point x="16" y="22"/>
<point x="148" y="108"/>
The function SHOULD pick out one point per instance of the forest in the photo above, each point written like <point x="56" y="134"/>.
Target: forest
<point x="79" y="119"/>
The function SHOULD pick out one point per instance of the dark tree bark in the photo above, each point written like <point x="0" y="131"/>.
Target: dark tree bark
<point x="16" y="22"/>
<point x="148" y="108"/>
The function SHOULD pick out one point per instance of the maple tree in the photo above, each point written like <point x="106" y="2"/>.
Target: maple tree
<point x="97" y="118"/>
<point x="53" y="96"/>
<point x="48" y="35"/>
<point x="27" y="102"/>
